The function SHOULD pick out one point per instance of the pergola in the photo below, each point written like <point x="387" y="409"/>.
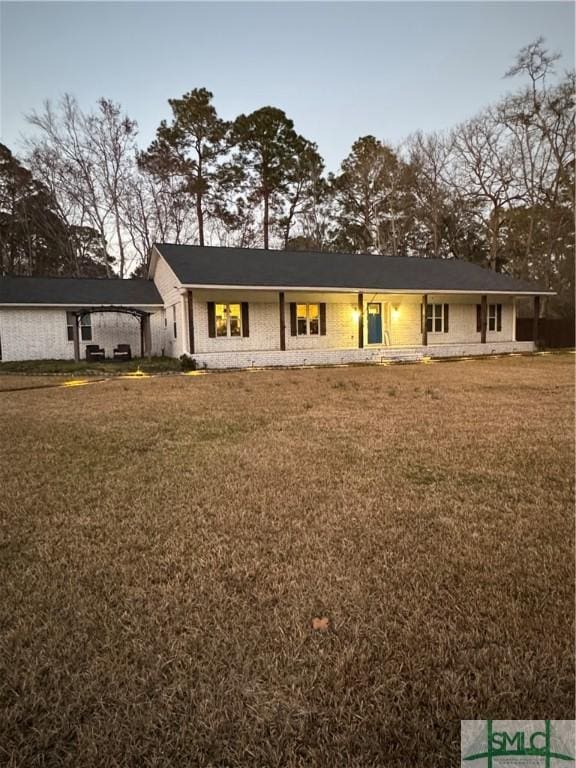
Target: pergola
<point x="143" y="316"/>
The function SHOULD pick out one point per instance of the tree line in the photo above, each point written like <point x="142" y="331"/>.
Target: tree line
<point x="84" y="199"/>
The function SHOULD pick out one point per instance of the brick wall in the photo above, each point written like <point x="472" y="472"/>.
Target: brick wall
<point x="245" y="359"/>
<point x="41" y="333"/>
<point x="169" y="289"/>
<point x="400" y="319"/>
<point x="264" y="321"/>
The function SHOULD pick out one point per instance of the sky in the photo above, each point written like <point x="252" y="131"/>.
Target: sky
<point x="340" y="70"/>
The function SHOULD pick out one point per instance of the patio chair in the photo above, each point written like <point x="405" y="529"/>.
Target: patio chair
<point x="94" y="352"/>
<point x="122" y="352"/>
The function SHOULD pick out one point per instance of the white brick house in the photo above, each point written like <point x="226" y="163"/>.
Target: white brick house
<point x="39" y="317"/>
<point x="237" y="308"/>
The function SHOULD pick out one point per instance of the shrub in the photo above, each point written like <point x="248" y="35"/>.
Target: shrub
<point x="188" y="363"/>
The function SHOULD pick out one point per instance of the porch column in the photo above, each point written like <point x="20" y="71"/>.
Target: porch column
<point x="536" y="322"/>
<point x="282" y="307"/>
<point x="76" y="337"/>
<point x="148" y="337"/>
<point x="425" y="320"/>
<point x="483" y="318"/>
<point x="190" y="323"/>
<point x="360" y="320"/>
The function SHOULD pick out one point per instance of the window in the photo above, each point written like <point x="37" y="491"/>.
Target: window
<point x="437" y="318"/>
<point x="70" y="320"/>
<point x="85" y="326"/>
<point x="174" y="323"/>
<point x="228" y="320"/>
<point x="494" y="317"/>
<point x="308" y="319"/>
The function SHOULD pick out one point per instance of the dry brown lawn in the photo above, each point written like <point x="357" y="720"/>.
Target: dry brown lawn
<point x="166" y="543"/>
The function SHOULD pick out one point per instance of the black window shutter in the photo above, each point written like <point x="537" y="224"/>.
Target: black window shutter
<point x="211" y="319"/>
<point x="422" y="318"/>
<point x="478" y="318"/>
<point x="322" y="319"/>
<point x="446" y="313"/>
<point x="245" y="319"/>
<point x="70" y="320"/>
<point x="292" y="319"/>
<point x="498" y="317"/>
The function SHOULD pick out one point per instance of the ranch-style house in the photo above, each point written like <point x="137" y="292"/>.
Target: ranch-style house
<point x="239" y="308"/>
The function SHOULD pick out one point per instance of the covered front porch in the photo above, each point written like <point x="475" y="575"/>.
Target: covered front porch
<point x="244" y="328"/>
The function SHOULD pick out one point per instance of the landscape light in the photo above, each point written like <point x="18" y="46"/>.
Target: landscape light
<point x="135" y="375"/>
<point x="75" y="383"/>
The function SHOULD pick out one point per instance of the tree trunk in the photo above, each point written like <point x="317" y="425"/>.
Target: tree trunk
<point x="106" y="263"/>
<point x="120" y="244"/>
<point x="266" y="222"/>
<point x="494" y="232"/>
<point x="200" y="217"/>
<point x="394" y="235"/>
<point x="290" y="217"/>
<point x="199" y="200"/>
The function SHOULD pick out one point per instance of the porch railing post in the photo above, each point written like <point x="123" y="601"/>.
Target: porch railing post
<point x="147" y="337"/>
<point x="483" y="318"/>
<point x="282" y="308"/>
<point x="360" y="320"/>
<point x="76" y="337"/>
<point x="190" y="323"/>
<point x="536" y="322"/>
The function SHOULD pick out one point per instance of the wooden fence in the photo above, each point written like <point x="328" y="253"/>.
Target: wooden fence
<point x="554" y="332"/>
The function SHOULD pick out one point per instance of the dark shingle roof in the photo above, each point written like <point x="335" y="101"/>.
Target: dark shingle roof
<point x="77" y="291"/>
<point x="195" y="265"/>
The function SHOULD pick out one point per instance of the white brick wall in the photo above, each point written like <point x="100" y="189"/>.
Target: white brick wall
<point x="170" y="290"/>
<point x="404" y="325"/>
<point x="41" y="333"/>
<point x="400" y="316"/>
<point x="345" y="356"/>
<point x="264" y="321"/>
<point x="341" y="324"/>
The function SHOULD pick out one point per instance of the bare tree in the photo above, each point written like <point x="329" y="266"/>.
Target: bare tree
<point x="485" y="173"/>
<point x="110" y="142"/>
<point x="86" y="160"/>
<point x="540" y="121"/>
<point x="430" y="158"/>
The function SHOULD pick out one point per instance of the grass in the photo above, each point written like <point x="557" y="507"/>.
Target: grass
<point x="31" y="367"/>
<point x="166" y="545"/>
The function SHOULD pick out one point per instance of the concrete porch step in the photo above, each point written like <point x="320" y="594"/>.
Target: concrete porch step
<point x="401" y="356"/>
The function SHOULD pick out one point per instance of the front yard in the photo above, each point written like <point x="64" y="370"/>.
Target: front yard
<point x="166" y="543"/>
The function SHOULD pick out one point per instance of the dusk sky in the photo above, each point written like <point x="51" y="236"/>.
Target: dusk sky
<point x="339" y="70"/>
